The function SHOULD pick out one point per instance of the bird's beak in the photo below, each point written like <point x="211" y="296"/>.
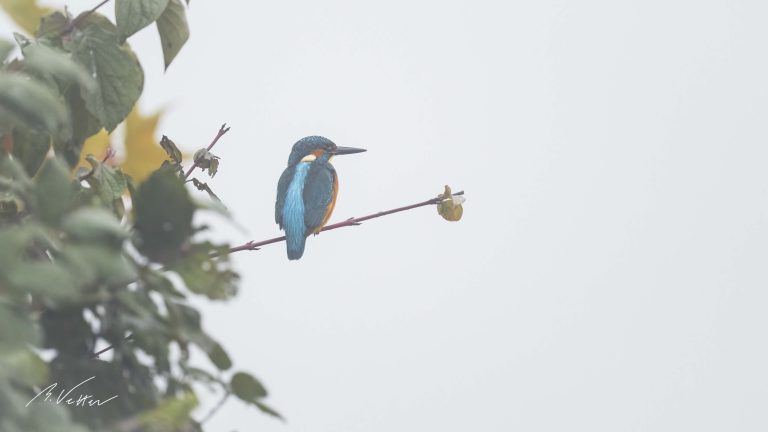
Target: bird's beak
<point x="347" y="150"/>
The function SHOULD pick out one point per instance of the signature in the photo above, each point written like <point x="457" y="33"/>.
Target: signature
<point x="81" y="400"/>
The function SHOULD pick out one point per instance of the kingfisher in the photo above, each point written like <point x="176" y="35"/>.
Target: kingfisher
<point x="307" y="190"/>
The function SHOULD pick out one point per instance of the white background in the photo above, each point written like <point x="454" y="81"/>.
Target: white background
<point x="609" y="273"/>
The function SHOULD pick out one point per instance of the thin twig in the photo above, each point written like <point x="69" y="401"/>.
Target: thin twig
<point x="224" y="129"/>
<point x="216" y="408"/>
<point x="254" y="245"/>
<point x="98" y="353"/>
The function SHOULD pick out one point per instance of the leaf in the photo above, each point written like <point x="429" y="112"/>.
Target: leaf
<point x="52" y="283"/>
<point x="93" y="262"/>
<point x="449" y="206"/>
<point x="25" y="13"/>
<point x="25" y="366"/>
<point x="163" y="215"/>
<point x="31" y="103"/>
<point x="94" y="225"/>
<point x="83" y="125"/>
<point x="205" y="188"/>
<point x="246" y="387"/>
<point x="30" y="147"/>
<point x="54" y="191"/>
<point x="109" y="183"/>
<point x="204" y="275"/>
<point x="52" y="63"/>
<point x="174" y="30"/>
<point x="16" y="329"/>
<point x="207" y="161"/>
<point x="219" y="357"/>
<point x="170" y="147"/>
<point x="133" y="15"/>
<point x="51" y="27"/>
<point x="268" y="410"/>
<point x="118" y="74"/>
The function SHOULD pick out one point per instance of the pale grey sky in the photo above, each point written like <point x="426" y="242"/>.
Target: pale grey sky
<point x="609" y="273"/>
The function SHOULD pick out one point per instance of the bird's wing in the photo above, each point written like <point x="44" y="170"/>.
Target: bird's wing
<point x="282" y="189"/>
<point x="318" y="195"/>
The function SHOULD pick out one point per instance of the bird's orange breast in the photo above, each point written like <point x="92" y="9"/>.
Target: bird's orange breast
<point x="331" y="205"/>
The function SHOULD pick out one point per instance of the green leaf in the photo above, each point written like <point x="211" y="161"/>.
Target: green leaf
<point x="94" y="225"/>
<point x="212" y="277"/>
<point x="170" y="147"/>
<point x="184" y="317"/>
<point x="133" y="15"/>
<point x="215" y="351"/>
<point x="119" y="76"/>
<point x="246" y="387"/>
<point x="266" y="409"/>
<point x="55" y="191"/>
<point x="26" y="366"/>
<point x="164" y="213"/>
<point x="52" y="63"/>
<point x="51" y="27"/>
<point x="219" y="357"/>
<point x="109" y="183"/>
<point x="93" y="262"/>
<point x="30" y="147"/>
<point x="83" y="125"/>
<point x="52" y="283"/>
<point x="16" y="329"/>
<point x="31" y="103"/>
<point x="174" y="30"/>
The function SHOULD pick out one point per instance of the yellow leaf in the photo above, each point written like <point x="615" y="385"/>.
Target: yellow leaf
<point x="143" y="153"/>
<point x="25" y="13"/>
<point x="97" y="145"/>
<point x="450" y="205"/>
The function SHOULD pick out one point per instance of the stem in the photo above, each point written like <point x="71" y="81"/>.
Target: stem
<point x="216" y="408"/>
<point x="222" y="130"/>
<point x="98" y="353"/>
<point x="254" y="245"/>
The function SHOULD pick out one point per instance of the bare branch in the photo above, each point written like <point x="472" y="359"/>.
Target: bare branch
<point x="255" y="245"/>
<point x="216" y="408"/>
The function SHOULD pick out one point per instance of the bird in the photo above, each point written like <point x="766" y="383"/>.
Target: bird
<point x="307" y="190"/>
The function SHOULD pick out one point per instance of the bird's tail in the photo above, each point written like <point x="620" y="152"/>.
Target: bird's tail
<point x="295" y="245"/>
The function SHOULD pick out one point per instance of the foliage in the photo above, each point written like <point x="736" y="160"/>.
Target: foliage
<point x="99" y="256"/>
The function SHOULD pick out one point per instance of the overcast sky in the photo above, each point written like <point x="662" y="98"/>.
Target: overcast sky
<point x="610" y="270"/>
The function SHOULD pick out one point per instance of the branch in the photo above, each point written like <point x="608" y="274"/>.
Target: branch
<point x="222" y="130"/>
<point x="254" y="245"/>
<point x="98" y="353"/>
<point x="216" y="408"/>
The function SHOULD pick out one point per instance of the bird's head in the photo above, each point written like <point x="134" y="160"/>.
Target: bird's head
<point x="313" y="147"/>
